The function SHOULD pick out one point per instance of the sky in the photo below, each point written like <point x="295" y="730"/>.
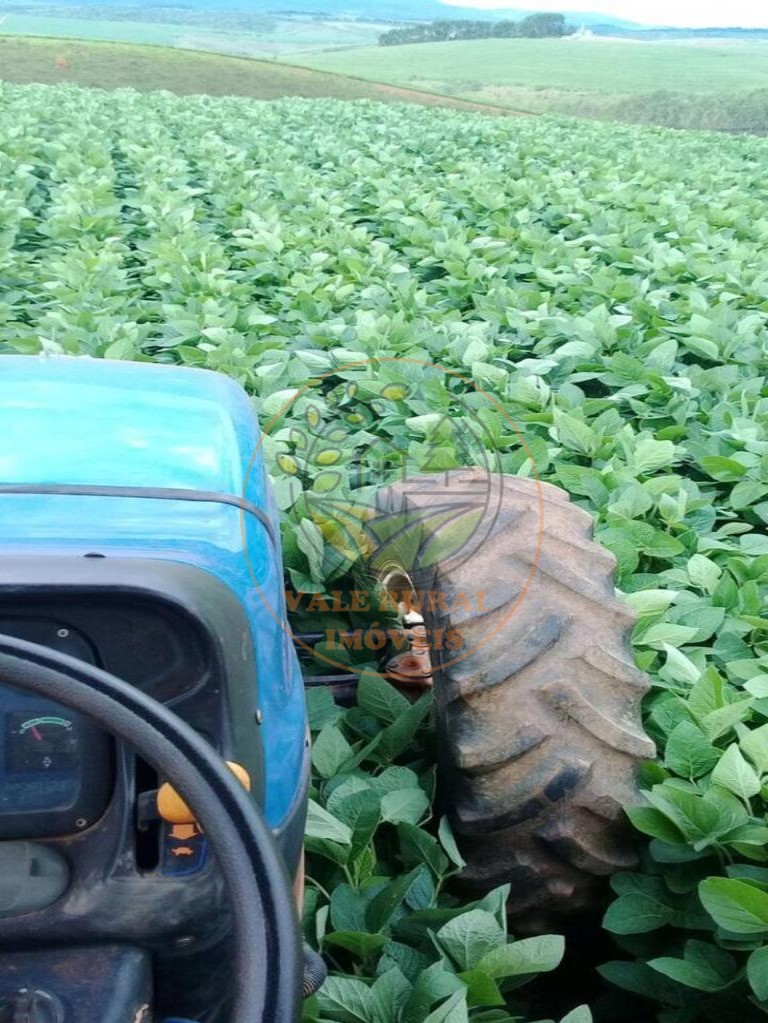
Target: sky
<point x="689" y="13"/>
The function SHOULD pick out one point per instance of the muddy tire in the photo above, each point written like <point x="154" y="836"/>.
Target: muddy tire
<point x="539" y="725"/>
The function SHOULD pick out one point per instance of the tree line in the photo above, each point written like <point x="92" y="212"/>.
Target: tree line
<point x="534" y="26"/>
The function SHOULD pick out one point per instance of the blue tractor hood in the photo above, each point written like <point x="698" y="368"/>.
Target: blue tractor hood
<point x="140" y="460"/>
<point x="104" y="423"/>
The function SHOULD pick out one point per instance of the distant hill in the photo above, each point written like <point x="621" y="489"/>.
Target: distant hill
<point x="650" y="35"/>
<point x="373" y="10"/>
<point x="364" y="10"/>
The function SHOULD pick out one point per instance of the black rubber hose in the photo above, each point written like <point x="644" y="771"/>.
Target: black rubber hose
<point x="315" y="972"/>
<point x="268" y="955"/>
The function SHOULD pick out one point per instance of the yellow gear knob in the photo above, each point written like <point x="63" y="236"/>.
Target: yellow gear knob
<point x="174" y="810"/>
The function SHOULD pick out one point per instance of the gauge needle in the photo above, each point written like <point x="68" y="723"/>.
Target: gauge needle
<point x="36" y="734"/>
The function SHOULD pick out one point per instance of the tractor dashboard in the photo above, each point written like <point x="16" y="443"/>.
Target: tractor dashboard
<point x="55" y="769"/>
<point x="85" y="854"/>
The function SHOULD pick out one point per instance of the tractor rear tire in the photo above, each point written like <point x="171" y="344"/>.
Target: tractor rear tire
<point x="538" y="711"/>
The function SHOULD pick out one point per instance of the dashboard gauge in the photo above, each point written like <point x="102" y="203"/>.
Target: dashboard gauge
<point x="41" y="742"/>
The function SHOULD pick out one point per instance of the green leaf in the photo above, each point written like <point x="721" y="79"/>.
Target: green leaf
<point x="719" y="722"/>
<point x="412" y="963"/>
<point x="526" y="956"/>
<point x="329" y="751"/>
<point x="321" y="824"/>
<point x="748" y="834"/>
<point x="735" y="905"/>
<point x="704" y="573"/>
<point x="346" y="1000"/>
<point x="390" y="993"/>
<point x="638" y="978"/>
<point x="321" y="708"/>
<point x="579" y="1015"/>
<point x="636" y="914"/>
<point x="706" y="695"/>
<point x="711" y="956"/>
<point x="452" y="1011"/>
<point x="650" y="602"/>
<point x="481" y="989"/>
<point x="383" y="906"/>
<point x="433" y="985"/>
<point x="688" y="752"/>
<point x="398" y="736"/>
<point x="418" y="846"/>
<point x="755" y="744"/>
<point x="720" y="468"/>
<point x="650" y="454"/>
<point x="705" y="620"/>
<point x="448" y="842"/>
<point x="329" y="850"/>
<point x="662" y="545"/>
<point x="578" y="479"/>
<point x="361" y="811"/>
<point x="757" y="686"/>
<point x="704" y="347"/>
<point x="666" y="633"/>
<point x="407" y="806"/>
<point x="278" y="403"/>
<point x="393" y="779"/>
<point x="423" y="892"/>
<point x="340" y="788"/>
<point x="695" y="975"/>
<point x="654" y="823"/>
<point x="311" y="544"/>
<point x="701" y="817"/>
<point x="734" y="773"/>
<point x="468" y="937"/>
<point x="380" y="699"/>
<point x="574" y="434"/>
<point x="348" y="908"/>
<point x="757" y="973"/>
<point x="678" y="667"/>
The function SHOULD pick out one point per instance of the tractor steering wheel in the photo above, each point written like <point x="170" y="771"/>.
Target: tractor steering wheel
<point x="268" y="956"/>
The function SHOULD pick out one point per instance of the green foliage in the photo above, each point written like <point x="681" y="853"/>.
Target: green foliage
<point x="405" y="950"/>
<point x="701" y="903"/>
<point x="609" y="289"/>
<point x="536" y="26"/>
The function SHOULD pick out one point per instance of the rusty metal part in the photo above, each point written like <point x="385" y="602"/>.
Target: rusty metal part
<point x="412" y="667"/>
<point x="410" y="670"/>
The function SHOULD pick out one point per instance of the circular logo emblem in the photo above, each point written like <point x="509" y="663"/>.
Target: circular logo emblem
<point x="391" y="474"/>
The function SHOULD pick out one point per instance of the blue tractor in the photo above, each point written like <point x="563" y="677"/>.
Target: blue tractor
<point x="154" y="753"/>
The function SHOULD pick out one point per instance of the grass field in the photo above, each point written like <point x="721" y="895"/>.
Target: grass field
<point x="715" y="85"/>
<point x="80" y="28"/>
<point x="590" y="65"/>
<point x="119" y="65"/>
